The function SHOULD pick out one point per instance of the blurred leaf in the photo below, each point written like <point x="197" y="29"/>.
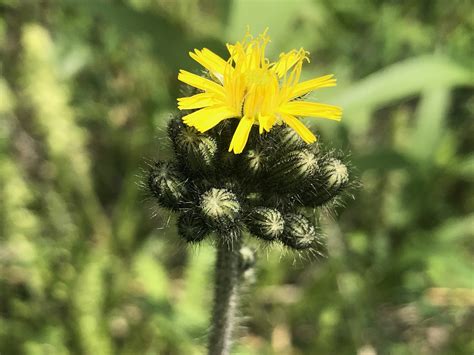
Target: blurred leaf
<point x="464" y="167"/>
<point x="192" y="308"/>
<point x="150" y="275"/>
<point x="455" y="229"/>
<point x="279" y="16"/>
<point x="400" y="81"/>
<point x="170" y="39"/>
<point x="383" y="160"/>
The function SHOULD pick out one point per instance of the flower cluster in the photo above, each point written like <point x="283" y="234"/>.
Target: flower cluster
<point x="263" y="191"/>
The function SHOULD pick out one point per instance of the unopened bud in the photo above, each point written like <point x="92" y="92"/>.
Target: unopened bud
<point x="299" y="232"/>
<point x="265" y="223"/>
<point x="255" y="161"/>
<point x="167" y="184"/>
<point x="191" y="227"/>
<point x="197" y="150"/>
<point x="285" y="138"/>
<point x="294" y="170"/>
<point x="335" y="174"/>
<point x="220" y="207"/>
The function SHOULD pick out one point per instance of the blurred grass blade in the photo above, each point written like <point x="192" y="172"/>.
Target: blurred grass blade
<point x="429" y="123"/>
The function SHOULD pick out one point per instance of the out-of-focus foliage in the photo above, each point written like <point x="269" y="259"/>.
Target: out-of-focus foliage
<point x="86" y="87"/>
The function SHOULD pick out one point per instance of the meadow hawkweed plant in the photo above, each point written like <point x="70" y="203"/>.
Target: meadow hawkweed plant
<point x="245" y="166"/>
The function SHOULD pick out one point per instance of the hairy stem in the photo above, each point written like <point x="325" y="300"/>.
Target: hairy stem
<point x="227" y="278"/>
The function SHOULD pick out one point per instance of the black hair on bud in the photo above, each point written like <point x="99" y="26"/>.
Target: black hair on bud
<point x="265" y="223"/>
<point x="285" y="139"/>
<point x="167" y="184"/>
<point x="293" y="171"/>
<point x="333" y="177"/>
<point x="255" y="161"/>
<point x="220" y="208"/>
<point x="195" y="149"/>
<point x="191" y="227"/>
<point x="175" y="125"/>
<point x="299" y="232"/>
<point x="335" y="174"/>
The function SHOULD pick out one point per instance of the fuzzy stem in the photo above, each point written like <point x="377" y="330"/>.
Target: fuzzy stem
<point x="227" y="278"/>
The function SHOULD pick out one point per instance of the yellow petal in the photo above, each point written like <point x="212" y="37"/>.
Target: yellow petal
<point x="209" y="60"/>
<point x="265" y="123"/>
<point x="286" y="62"/>
<point x="206" y="118"/>
<point x="200" y="82"/>
<point x="197" y="101"/>
<point x="299" y="127"/>
<point x="312" y="109"/>
<point x="313" y="84"/>
<point x="241" y="135"/>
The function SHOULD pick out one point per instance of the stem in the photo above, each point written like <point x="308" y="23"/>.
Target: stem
<point x="227" y="274"/>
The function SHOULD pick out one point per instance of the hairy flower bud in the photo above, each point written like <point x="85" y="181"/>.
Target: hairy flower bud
<point x="175" y="125"/>
<point x="219" y="207"/>
<point x="167" y="184"/>
<point x="255" y="161"/>
<point x="293" y="170"/>
<point x="265" y="223"/>
<point x="195" y="149"/>
<point x="333" y="177"/>
<point x="335" y="174"/>
<point x="299" y="232"/>
<point x="191" y="227"/>
<point x="287" y="139"/>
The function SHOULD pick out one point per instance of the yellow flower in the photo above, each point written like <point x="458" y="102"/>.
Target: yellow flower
<point x="249" y="87"/>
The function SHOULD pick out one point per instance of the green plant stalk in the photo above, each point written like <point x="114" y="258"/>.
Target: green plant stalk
<point x="226" y="297"/>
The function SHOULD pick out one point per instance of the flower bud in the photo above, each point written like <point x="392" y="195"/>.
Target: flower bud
<point x="333" y="178"/>
<point x="175" y="125"/>
<point x="293" y="170"/>
<point x="191" y="227"/>
<point x="167" y="184"/>
<point x="195" y="149"/>
<point x="219" y="207"/>
<point x="335" y="174"/>
<point x="265" y="223"/>
<point x="287" y="139"/>
<point x="299" y="232"/>
<point x="255" y="161"/>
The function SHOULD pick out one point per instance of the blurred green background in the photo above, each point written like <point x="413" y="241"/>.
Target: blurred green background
<point x="88" y="265"/>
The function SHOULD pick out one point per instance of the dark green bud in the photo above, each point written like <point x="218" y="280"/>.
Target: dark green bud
<point x="227" y="162"/>
<point x="335" y="174"/>
<point x="219" y="207"/>
<point x="265" y="223"/>
<point x="196" y="149"/>
<point x="175" y="125"/>
<point x="333" y="177"/>
<point x="293" y="170"/>
<point x="255" y="161"/>
<point x="287" y="139"/>
<point x="167" y="184"/>
<point x="191" y="227"/>
<point x="299" y="232"/>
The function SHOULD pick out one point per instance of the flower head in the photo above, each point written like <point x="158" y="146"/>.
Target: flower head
<point x="251" y="88"/>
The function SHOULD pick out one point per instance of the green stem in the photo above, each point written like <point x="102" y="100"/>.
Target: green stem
<point x="226" y="298"/>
